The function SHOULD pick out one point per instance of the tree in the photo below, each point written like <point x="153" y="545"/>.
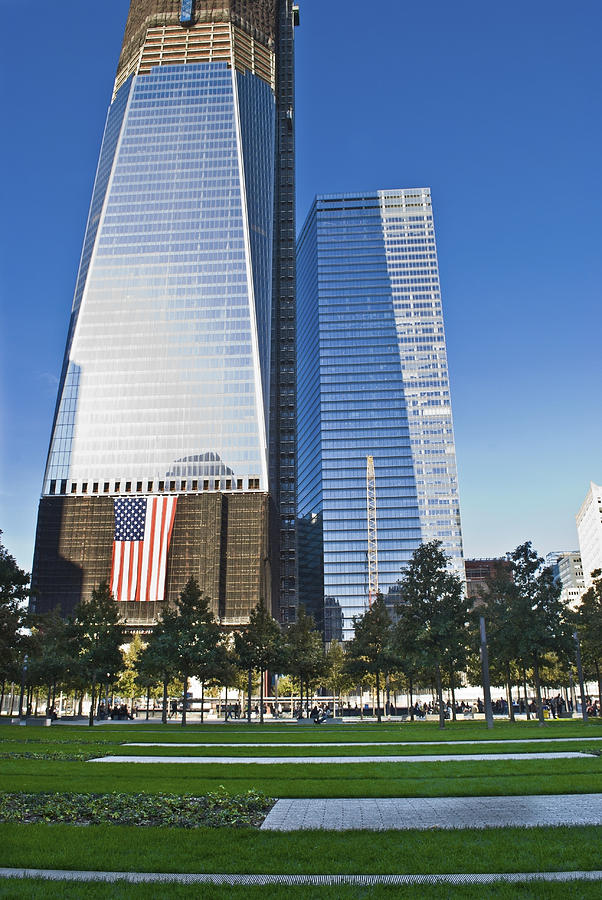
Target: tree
<point x="503" y="628"/>
<point x="436" y="610"/>
<point x="369" y="651"/>
<point x="588" y="621"/>
<point x="540" y="615"/>
<point x="14" y="591"/>
<point x="260" y="646"/>
<point x="128" y="684"/>
<point x="158" y="659"/>
<point x="305" y="652"/>
<point x="51" y="652"/>
<point x="196" y="636"/>
<point x="99" y="634"/>
<point x="406" y="650"/>
<point x="337" y="678"/>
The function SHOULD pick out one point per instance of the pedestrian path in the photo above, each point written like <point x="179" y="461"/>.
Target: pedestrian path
<point x="435" y="812"/>
<point x="249" y="880"/>
<point x="267" y="743"/>
<point x="338" y="760"/>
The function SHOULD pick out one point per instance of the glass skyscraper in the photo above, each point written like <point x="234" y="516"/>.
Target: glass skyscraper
<point x="372" y="381"/>
<point x="179" y="373"/>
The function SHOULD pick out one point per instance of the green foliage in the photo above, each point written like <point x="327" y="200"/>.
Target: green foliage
<point x="14" y="591"/>
<point x="306" y="659"/>
<point x="433" y="615"/>
<point x="260" y="644"/>
<point x="216" y="810"/>
<point x="369" y="651"/>
<point x="128" y="684"/>
<point x="51" y="650"/>
<point x="588" y="621"/>
<point x="337" y="678"/>
<point x="98" y="635"/>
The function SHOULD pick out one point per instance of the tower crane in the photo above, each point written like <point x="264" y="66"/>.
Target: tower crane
<point x="372" y="536"/>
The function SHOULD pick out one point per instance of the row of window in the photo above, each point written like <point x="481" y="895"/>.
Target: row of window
<point x="224" y="484"/>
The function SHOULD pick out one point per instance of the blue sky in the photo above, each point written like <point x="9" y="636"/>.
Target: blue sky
<point x="495" y="107"/>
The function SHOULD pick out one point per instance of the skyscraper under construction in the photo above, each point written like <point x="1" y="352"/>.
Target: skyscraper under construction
<point x="173" y="444"/>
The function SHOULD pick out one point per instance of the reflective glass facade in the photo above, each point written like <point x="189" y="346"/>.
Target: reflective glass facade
<point x="172" y="378"/>
<point x="169" y="357"/>
<point x="372" y="380"/>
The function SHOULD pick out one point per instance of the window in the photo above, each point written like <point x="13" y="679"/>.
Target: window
<point x="149" y="486"/>
<point x="106" y="487"/>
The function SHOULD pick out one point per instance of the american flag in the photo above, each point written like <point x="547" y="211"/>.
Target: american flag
<point x="143" y="528"/>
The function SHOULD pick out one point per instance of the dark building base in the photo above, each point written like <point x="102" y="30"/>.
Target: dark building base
<point x="219" y="539"/>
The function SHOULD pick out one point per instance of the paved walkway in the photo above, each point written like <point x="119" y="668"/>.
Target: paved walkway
<point x="435" y="812"/>
<point x="248" y="880"/>
<point x="268" y="743"/>
<point x="336" y="760"/>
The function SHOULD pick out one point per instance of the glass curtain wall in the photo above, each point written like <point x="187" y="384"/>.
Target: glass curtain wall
<point x="372" y="380"/>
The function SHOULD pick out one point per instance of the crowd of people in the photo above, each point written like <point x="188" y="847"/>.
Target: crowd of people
<point x="114" y="712"/>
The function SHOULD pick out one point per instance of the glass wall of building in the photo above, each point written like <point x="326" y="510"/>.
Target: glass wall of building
<point x="372" y="381"/>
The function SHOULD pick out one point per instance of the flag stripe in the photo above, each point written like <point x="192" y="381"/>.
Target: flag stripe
<point x="160" y="574"/>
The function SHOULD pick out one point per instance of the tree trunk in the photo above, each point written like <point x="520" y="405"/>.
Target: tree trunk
<point x="12" y="697"/>
<point x="361" y="701"/>
<point x="2" y="696"/>
<point x="202" y="702"/>
<point x="440" y="699"/>
<point x="91" y="713"/>
<point x="378" y="715"/>
<point x="148" y="690"/>
<point x="453" y="691"/>
<point x="599" y="679"/>
<point x="526" y="694"/>
<point x="48" y="700"/>
<point x="261" y="696"/>
<point x="509" y="691"/>
<point x="249" y="692"/>
<point x="411" y="686"/>
<point x="164" y="710"/>
<point x="185" y="703"/>
<point x="538" y="690"/>
<point x="226" y="704"/>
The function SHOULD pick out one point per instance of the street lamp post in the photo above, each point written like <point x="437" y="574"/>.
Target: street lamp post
<point x="23" y="717"/>
<point x="580" y="673"/>
<point x="485" y="670"/>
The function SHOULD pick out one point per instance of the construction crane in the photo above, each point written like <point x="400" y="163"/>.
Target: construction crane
<point x="372" y="536"/>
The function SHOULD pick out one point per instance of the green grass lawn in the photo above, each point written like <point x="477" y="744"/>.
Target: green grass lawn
<point x="40" y="890"/>
<point x="245" y="850"/>
<point x="293" y="780"/>
<point x="426" y="779"/>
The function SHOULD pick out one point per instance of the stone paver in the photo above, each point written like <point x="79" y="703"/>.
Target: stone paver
<point x="219" y="878"/>
<point x="435" y="812"/>
<point x="268" y="743"/>
<point x="337" y="760"/>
